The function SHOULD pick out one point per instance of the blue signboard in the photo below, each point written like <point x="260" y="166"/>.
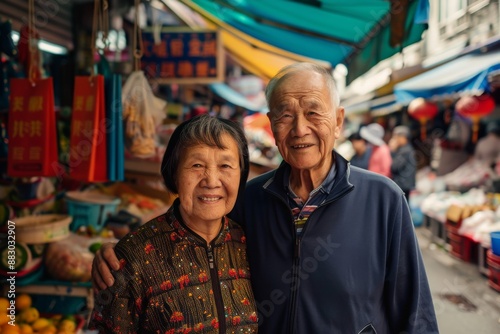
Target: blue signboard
<point x="176" y="56"/>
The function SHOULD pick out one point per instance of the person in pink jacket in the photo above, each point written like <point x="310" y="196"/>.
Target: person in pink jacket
<point x="380" y="160"/>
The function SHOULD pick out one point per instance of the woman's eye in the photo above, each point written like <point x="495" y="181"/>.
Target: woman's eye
<point x="197" y="166"/>
<point x="226" y="166"/>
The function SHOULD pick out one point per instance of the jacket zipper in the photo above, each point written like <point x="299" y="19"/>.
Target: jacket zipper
<point x="296" y="264"/>
<point x="295" y="283"/>
<point x="217" y="291"/>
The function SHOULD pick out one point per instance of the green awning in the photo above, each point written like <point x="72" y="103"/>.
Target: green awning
<point x="358" y="33"/>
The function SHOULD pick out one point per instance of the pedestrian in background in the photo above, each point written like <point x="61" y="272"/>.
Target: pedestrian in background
<point x="362" y="151"/>
<point x="488" y="148"/>
<point x="380" y="159"/>
<point x="404" y="165"/>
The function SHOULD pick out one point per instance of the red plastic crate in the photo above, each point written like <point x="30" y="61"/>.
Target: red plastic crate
<point x="462" y="247"/>
<point x="493" y="262"/>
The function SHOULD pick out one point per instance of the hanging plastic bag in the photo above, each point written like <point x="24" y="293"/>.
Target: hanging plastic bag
<point x="142" y="113"/>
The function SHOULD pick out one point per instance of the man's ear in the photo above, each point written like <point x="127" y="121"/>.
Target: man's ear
<point x="339" y="118"/>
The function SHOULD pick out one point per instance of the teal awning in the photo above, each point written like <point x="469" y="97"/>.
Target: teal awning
<point x="467" y="74"/>
<point x="236" y="98"/>
<point x="358" y="33"/>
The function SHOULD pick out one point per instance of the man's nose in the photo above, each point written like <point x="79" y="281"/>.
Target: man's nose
<point x="300" y="126"/>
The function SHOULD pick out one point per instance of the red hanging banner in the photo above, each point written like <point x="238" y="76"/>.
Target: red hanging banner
<point x="32" y="128"/>
<point x="87" y="160"/>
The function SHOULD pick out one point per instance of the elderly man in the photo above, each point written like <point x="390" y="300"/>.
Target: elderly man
<point x="331" y="247"/>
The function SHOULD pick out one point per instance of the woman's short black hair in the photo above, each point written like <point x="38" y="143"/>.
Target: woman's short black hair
<point x="205" y="130"/>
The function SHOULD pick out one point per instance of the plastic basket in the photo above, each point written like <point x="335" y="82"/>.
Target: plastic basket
<point x="41" y="229"/>
<point x="90" y="210"/>
<point x="495" y="242"/>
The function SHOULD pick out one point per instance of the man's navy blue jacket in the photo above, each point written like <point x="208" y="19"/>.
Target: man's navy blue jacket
<point x="357" y="267"/>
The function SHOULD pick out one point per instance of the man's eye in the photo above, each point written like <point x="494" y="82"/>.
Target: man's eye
<point x="285" y="117"/>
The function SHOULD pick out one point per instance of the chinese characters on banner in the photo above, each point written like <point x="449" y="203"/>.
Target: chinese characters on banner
<point x="183" y="56"/>
<point x="87" y="159"/>
<point x="32" y="129"/>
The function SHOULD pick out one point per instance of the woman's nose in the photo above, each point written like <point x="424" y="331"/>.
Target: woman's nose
<point x="211" y="177"/>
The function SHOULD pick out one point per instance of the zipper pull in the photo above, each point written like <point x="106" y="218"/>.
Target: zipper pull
<point x="210" y="257"/>
<point x="297" y="247"/>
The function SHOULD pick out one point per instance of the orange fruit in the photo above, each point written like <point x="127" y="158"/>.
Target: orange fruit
<point x="4" y="304"/>
<point x="29" y="315"/>
<point x="23" y="301"/>
<point x="25" y="329"/>
<point x="51" y="329"/>
<point x="8" y="329"/>
<point x="4" y="318"/>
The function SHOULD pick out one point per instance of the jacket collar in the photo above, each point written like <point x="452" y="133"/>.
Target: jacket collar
<point x="276" y="186"/>
<point x="180" y="231"/>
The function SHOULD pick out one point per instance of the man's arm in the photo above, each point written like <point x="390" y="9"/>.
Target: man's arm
<point x="408" y="296"/>
<point x="104" y="261"/>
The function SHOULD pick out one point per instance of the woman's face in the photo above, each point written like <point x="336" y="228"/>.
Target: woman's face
<point x="207" y="181"/>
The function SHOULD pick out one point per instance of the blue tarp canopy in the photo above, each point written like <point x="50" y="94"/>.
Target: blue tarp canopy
<point x="236" y="98"/>
<point x="465" y="74"/>
<point x="357" y="33"/>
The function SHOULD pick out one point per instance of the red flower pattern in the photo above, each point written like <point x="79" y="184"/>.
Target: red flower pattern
<point x="183" y="281"/>
<point x="232" y="273"/>
<point x="236" y="320"/>
<point x="199" y="327"/>
<point x="166" y="285"/>
<point x="149" y="248"/>
<point x="138" y="303"/>
<point x="214" y="323"/>
<point x="245" y="301"/>
<point x="122" y="264"/>
<point x="203" y="278"/>
<point x="176" y="317"/>
<point x="253" y="317"/>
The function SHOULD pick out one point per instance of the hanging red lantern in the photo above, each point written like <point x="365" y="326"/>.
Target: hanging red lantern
<point x="475" y="107"/>
<point x="422" y="110"/>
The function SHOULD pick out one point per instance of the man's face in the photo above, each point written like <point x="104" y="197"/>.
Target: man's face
<point x="304" y="120"/>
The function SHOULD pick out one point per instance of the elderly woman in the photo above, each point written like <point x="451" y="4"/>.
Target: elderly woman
<point x="187" y="271"/>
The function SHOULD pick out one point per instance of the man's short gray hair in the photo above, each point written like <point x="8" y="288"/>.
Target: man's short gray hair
<point x="304" y="67"/>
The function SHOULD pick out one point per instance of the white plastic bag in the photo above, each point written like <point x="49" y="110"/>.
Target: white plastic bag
<point x="142" y="113"/>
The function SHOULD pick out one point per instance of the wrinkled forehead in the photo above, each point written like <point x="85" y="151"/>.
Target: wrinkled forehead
<point x="299" y="85"/>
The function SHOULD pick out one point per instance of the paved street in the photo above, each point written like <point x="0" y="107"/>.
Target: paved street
<point x="451" y="280"/>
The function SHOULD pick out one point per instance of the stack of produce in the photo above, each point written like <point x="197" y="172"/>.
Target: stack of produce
<point x="28" y="319"/>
